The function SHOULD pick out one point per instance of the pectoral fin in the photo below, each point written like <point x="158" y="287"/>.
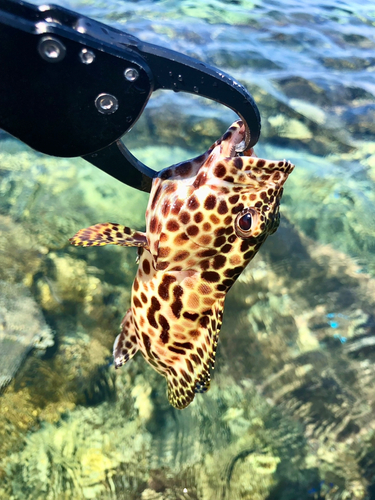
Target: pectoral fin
<point x="109" y="234"/>
<point x="126" y="344"/>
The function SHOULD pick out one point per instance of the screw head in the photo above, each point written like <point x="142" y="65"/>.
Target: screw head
<point x="51" y="49"/>
<point x="86" y="56"/>
<point x="106" y="104"/>
<point x="131" y="74"/>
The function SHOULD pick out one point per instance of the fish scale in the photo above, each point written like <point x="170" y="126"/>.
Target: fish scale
<point x="205" y="220"/>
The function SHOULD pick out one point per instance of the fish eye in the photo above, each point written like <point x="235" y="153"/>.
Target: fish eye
<point x="246" y="222"/>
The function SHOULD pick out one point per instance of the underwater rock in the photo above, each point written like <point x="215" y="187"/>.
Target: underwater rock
<point x="22" y="327"/>
<point x="297" y="87"/>
<point x="20" y="254"/>
<point x="360" y="120"/>
<point x="308" y="348"/>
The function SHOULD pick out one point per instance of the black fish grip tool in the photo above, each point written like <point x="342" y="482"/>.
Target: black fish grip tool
<point x="71" y="86"/>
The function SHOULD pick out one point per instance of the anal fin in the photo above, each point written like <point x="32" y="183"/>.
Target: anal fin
<point x="109" y="234"/>
<point x="126" y="345"/>
<point x="192" y="373"/>
<point x="180" y="394"/>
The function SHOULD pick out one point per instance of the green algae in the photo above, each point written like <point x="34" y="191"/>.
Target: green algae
<point x="78" y="457"/>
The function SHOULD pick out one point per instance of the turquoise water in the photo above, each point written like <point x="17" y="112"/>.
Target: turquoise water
<point x="290" y="412"/>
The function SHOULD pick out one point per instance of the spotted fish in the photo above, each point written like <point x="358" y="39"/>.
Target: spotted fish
<point x="206" y="219"/>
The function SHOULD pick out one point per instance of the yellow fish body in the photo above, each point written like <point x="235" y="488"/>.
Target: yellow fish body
<point x="206" y="219"/>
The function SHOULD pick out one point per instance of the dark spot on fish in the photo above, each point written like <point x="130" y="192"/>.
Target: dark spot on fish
<point x="164" y="336"/>
<point x="177" y="351"/>
<point x="222" y="208"/>
<point x="238" y="163"/>
<point x="211" y="276"/>
<point x="192" y="230"/>
<point x="184" y="345"/>
<point x="161" y="266"/>
<point x="177" y="304"/>
<point x="219" y="261"/>
<point x="193" y="203"/>
<point x="220" y="170"/>
<point x="207" y="253"/>
<point x="146" y="341"/>
<point x="220" y="241"/>
<point x="184" y="217"/>
<point x="155" y="304"/>
<point x="191" y="316"/>
<point x="198" y="217"/>
<point x="137" y="302"/>
<point x="204" y="265"/>
<point x="163" y="288"/>
<point x="181" y="256"/>
<point x="176" y="207"/>
<point x="249" y="254"/>
<point x="183" y="169"/>
<point x="238" y="208"/>
<point x="156" y="197"/>
<point x="195" y="359"/>
<point x="200" y="180"/>
<point x="165" y="208"/>
<point x="173" y="225"/>
<point x="204" y="321"/>
<point x="230" y="273"/>
<point x="210" y="202"/>
<point x="189" y="366"/>
<point x="233" y="199"/>
<point x="146" y="267"/>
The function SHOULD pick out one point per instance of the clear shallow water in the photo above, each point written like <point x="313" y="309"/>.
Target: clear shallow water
<point x="290" y="411"/>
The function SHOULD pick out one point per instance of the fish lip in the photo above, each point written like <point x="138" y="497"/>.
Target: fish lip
<point x="238" y="142"/>
<point x="240" y="147"/>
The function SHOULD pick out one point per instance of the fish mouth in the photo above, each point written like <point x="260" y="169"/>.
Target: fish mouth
<point x="235" y="146"/>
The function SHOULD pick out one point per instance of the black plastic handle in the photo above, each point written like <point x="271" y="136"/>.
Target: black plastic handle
<point x="71" y="86"/>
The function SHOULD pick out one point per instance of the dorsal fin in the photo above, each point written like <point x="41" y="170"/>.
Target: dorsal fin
<point x="109" y="234"/>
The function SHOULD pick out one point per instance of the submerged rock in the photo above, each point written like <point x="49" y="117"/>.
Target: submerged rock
<point x="22" y="327"/>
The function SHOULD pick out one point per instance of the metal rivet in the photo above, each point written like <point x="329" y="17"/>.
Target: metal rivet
<point x="106" y="104"/>
<point x="51" y="49"/>
<point x="86" y="56"/>
<point x="131" y="74"/>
